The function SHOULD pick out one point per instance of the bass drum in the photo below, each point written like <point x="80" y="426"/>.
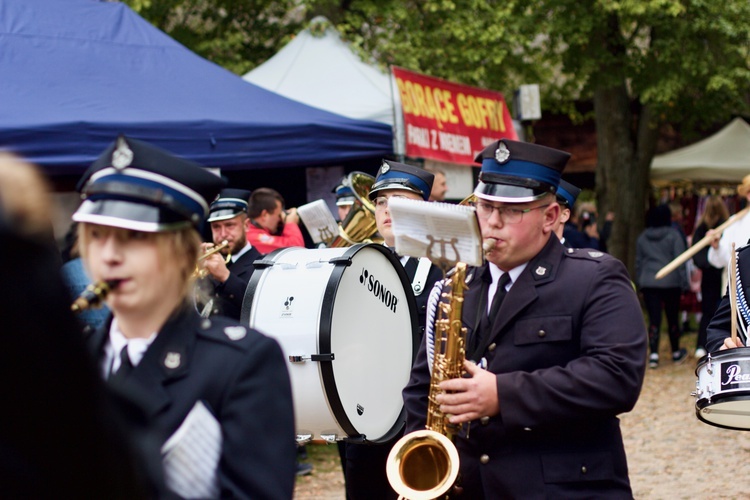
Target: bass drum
<point x="346" y="321"/>
<point x="722" y="390"/>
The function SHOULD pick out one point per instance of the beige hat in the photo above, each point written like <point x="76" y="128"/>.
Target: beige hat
<point x="744" y="188"/>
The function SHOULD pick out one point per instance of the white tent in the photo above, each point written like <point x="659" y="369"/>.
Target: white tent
<point x="722" y="157"/>
<point x="322" y="71"/>
<point x="319" y="69"/>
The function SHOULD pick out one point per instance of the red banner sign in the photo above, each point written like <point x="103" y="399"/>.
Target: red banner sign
<point x="447" y="121"/>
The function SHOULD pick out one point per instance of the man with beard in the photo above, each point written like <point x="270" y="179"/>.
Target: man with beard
<point x="229" y="270"/>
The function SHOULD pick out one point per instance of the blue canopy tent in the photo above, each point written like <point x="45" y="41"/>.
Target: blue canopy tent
<point x="76" y="73"/>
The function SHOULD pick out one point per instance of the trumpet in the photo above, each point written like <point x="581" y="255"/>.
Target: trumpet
<point x="202" y="272"/>
<point x="93" y="296"/>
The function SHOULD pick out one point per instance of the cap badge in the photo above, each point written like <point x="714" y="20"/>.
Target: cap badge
<point x="172" y="360"/>
<point x="122" y="156"/>
<point x="502" y="154"/>
<point x="235" y="332"/>
<point x="384" y="168"/>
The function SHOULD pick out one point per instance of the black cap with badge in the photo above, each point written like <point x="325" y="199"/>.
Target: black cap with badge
<point x="567" y="193"/>
<point x="395" y="175"/>
<point x="518" y="172"/>
<point x="134" y="185"/>
<point x="230" y="203"/>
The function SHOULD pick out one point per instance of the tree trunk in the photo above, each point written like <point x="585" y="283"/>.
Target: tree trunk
<point x="626" y="146"/>
<point x="615" y="153"/>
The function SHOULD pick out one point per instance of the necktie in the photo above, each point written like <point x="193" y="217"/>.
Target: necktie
<point x="485" y="326"/>
<point x="125" y="366"/>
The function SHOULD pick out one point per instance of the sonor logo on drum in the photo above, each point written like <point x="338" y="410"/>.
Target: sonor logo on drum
<point x="378" y="289"/>
<point x="286" y="311"/>
<point x="732" y="374"/>
<point x="360" y="409"/>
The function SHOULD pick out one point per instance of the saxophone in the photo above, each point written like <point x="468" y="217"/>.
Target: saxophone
<point x="424" y="464"/>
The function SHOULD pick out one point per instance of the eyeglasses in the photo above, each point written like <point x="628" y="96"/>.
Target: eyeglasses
<point x="508" y="215"/>
<point x="381" y="202"/>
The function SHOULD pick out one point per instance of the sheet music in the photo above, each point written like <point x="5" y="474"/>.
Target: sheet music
<point x="319" y="221"/>
<point x="415" y="222"/>
<point x="191" y="455"/>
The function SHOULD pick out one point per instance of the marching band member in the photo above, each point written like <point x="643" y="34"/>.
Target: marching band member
<point x="365" y="464"/>
<point x="228" y="278"/>
<point x="564" y="345"/>
<point x="216" y="394"/>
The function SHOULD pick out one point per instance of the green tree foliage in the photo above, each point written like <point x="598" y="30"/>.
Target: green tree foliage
<point x="235" y="34"/>
<point x="646" y="64"/>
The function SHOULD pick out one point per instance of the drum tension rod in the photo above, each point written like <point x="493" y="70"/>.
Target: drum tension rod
<point x="312" y="357"/>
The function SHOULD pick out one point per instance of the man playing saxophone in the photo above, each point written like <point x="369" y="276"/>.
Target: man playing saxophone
<point x="561" y="334"/>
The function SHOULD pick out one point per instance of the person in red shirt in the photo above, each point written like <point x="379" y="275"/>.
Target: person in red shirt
<point x="272" y="227"/>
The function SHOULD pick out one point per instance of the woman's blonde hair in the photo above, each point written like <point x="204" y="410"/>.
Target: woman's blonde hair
<point x="181" y="246"/>
<point x="24" y="197"/>
<point x="714" y="212"/>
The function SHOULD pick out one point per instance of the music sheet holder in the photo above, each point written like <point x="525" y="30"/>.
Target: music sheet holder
<point x="442" y="232"/>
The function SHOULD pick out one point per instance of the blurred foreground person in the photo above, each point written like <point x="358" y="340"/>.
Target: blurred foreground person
<point x="216" y="394"/>
<point x="59" y="434"/>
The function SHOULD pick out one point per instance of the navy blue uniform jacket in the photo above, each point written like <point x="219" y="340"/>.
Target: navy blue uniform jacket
<point x="243" y="382"/>
<point x="569" y="352"/>
<point x="720" y="327"/>
<point x="231" y="293"/>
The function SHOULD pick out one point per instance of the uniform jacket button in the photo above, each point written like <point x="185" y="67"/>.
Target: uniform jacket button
<point x="484" y="420"/>
<point x="584" y="470"/>
<point x="491" y="347"/>
<point x="542" y="333"/>
<point x="484" y="459"/>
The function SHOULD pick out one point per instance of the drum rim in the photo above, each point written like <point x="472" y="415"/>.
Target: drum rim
<point x="324" y="339"/>
<point x="717" y="355"/>
<point x="724" y="398"/>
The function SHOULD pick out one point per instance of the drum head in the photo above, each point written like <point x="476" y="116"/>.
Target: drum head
<point x="351" y="315"/>
<point x="728" y="411"/>
<point x="724" y="382"/>
<point x="370" y="326"/>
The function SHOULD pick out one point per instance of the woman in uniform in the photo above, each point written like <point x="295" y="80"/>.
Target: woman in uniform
<point x="215" y="395"/>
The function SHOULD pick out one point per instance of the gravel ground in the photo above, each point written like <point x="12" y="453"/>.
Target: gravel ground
<point x="671" y="454"/>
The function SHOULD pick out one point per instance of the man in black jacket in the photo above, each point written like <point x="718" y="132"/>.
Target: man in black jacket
<point x="564" y="351"/>
<point x="230" y="269"/>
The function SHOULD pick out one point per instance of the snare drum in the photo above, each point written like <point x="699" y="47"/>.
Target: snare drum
<point x="346" y="321"/>
<point x="722" y="391"/>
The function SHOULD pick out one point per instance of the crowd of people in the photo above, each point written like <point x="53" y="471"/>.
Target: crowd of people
<point x="164" y="393"/>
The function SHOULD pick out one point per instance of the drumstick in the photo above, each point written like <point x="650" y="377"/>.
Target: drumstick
<point x="704" y="242"/>
<point x="733" y="293"/>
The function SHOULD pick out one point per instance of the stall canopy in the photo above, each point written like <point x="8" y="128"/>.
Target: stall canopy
<point x="76" y="73"/>
<point x="722" y="157"/>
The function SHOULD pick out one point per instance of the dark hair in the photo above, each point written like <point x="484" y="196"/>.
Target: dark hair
<point x="263" y="199"/>
<point x="659" y="216"/>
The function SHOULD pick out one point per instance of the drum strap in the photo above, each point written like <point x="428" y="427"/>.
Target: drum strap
<point x="420" y="276"/>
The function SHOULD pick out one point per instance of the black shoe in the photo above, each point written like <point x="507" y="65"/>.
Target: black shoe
<point x="302" y="452"/>
<point x="304" y="469"/>
<point x="678" y="357"/>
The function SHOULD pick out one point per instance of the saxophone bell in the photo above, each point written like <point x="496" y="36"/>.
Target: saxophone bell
<point x="424" y="464"/>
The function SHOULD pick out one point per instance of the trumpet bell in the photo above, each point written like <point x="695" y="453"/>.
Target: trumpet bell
<point x="422" y="465"/>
